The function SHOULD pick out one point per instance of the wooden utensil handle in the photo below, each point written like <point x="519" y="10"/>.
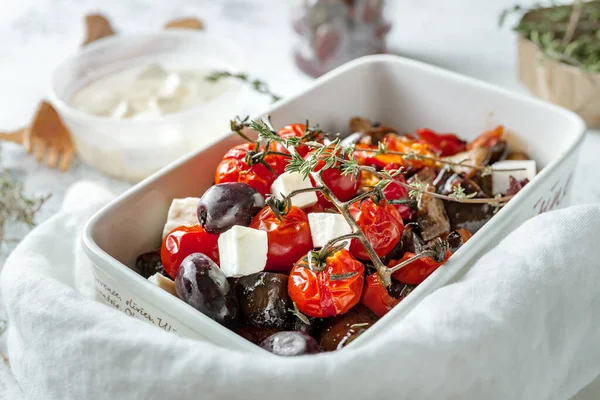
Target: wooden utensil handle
<point x="15" y="137"/>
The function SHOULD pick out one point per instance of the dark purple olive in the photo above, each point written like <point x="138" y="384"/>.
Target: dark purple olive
<point x="264" y="300"/>
<point x="227" y="204"/>
<point x="149" y="263"/>
<point x="342" y="329"/>
<point x="202" y="284"/>
<point x="291" y="343"/>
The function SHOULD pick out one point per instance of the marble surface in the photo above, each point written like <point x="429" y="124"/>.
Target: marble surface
<point x="35" y="35"/>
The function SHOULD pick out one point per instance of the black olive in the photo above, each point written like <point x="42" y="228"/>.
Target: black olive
<point x="454" y="240"/>
<point x="264" y="300"/>
<point x="203" y="285"/>
<point x="291" y="343"/>
<point x="227" y="204"/>
<point x="340" y="330"/>
<point x="149" y="263"/>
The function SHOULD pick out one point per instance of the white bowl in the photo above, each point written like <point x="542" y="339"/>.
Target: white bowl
<point x="133" y="149"/>
<point x="403" y="93"/>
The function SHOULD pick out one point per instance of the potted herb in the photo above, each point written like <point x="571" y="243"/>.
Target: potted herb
<point x="559" y="55"/>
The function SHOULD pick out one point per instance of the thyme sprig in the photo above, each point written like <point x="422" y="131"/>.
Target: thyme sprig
<point x="256" y="84"/>
<point x="15" y="205"/>
<point x="566" y="33"/>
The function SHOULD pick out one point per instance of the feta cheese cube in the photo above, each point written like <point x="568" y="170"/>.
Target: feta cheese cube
<point x="327" y="226"/>
<point x="163" y="282"/>
<point x="243" y="251"/>
<point x="501" y="175"/>
<point x="290" y="181"/>
<point x="182" y="212"/>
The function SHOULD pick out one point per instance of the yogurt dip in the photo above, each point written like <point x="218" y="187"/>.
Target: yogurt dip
<point x="145" y="92"/>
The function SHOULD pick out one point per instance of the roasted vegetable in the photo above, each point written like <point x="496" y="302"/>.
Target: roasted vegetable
<point x="343" y="329"/>
<point x="431" y="214"/>
<point x="263" y="299"/>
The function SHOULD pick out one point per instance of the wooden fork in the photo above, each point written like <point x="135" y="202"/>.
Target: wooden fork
<point x="47" y="137"/>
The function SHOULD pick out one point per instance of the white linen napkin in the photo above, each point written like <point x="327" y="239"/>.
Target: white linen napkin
<point x="523" y="323"/>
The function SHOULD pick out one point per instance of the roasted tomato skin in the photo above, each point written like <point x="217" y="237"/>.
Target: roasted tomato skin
<point x="395" y="143"/>
<point x="186" y="240"/>
<point x="289" y="237"/>
<point x="344" y="187"/>
<point x="417" y="271"/>
<point x="319" y="294"/>
<point x="376" y="297"/>
<point x="382" y="225"/>
<point x="292" y="130"/>
<point x="445" y="144"/>
<point x="395" y="191"/>
<point x="234" y="168"/>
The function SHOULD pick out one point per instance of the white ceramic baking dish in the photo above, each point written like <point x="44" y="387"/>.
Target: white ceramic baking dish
<point x="400" y="92"/>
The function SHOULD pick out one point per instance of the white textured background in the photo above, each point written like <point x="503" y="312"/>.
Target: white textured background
<point x="35" y="35"/>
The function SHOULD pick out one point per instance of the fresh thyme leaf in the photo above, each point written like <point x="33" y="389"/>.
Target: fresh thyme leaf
<point x="299" y="314"/>
<point x="340" y="277"/>
<point x="359" y="325"/>
<point x="256" y="84"/>
<point x="417" y="186"/>
<point x="264" y="133"/>
<point x="460" y="195"/>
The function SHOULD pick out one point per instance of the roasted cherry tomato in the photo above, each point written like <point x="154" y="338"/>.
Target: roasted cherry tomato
<point x="326" y="290"/>
<point x="376" y="297"/>
<point x="183" y="241"/>
<point x="289" y="237"/>
<point x="344" y="187"/>
<point x="487" y="138"/>
<point x="296" y="130"/>
<point x="446" y="144"/>
<point x="395" y="191"/>
<point x="415" y="272"/>
<point x="382" y="225"/>
<point x="395" y="143"/>
<point x="235" y="167"/>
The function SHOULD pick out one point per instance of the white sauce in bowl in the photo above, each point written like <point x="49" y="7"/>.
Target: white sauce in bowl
<point x="145" y="92"/>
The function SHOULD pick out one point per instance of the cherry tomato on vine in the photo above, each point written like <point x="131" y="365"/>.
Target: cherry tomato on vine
<point x="445" y="144"/>
<point x="417" y="271"/>
<point x="376" y="297"/>
<point x="380" y="222"/>
<point x="326" y="290"/>
<point x="344" y="187"/>
<point x="488" y="138"/>
<point x="183" y="241"/>
<point x="235" y="167"/>
<point x="395" y="191"/>
<point x="288" y="237"/>
<point x="295" y="130"/>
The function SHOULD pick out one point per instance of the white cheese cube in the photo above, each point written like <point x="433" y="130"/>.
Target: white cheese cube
<point x="290" y="181"/>
<point x="243" y="251"/>
<point x="163" y="282"/>
<point x="501" y="173"/>
<point x="327" y="226"/>
<point x="182" y="212"/>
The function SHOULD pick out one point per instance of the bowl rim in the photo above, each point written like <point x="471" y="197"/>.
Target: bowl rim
<point x="64" y="108"/>
<point x="452" y="267"/>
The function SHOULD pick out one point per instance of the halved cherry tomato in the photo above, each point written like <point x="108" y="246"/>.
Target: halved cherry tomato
<point x="488" y="138"/>
<point x="326" y="290"/>
<point x="376" y="297"/>
<point x="294" y="130"/>
<point x="382" y="225"/>
<point x="183" y="241"/>
<point x="415" y="272"/>
<point x="447" y="144"/>
<point x="235" y="168"/>
<point x="289" y="237"/>
<point x="344" y="187"/>
<point x="395" y="191"/>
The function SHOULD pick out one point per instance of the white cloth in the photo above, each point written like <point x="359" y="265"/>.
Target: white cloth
<point x="521" y="324"/>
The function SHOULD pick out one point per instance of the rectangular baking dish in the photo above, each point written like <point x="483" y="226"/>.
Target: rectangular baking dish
<point x="403" y="93"/>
